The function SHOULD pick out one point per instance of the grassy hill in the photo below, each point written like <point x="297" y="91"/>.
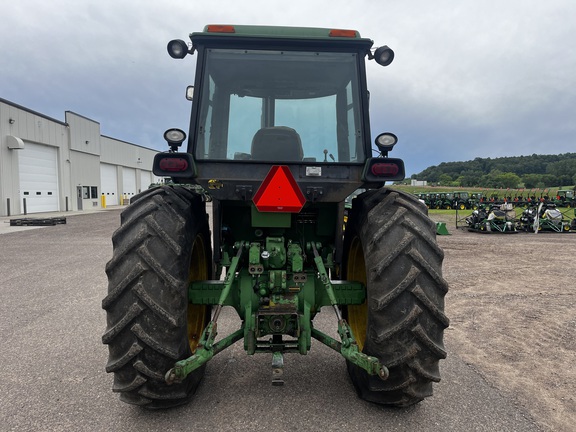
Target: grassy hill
<point x="536" y="171"/>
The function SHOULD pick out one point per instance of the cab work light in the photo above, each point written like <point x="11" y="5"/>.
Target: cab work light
<point x="177" y="48"/>
<point x="384" y="55"/>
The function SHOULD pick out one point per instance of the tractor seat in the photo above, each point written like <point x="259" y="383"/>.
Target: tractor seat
<point x="278" y="143"/>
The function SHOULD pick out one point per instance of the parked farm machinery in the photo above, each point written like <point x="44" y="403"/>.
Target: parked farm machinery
<point x="462" y="200"/>
<point x="449" y="200"/>
<point x="493" y="219"/>
<point x="502" y="218"/>
<point x="544" y="217"/>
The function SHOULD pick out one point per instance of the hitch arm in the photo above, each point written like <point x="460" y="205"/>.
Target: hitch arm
<point x="207" y="347"/>
<point x="348" y="347"/>
<point x="349" y="350"/>
<point x="204" y="353"/>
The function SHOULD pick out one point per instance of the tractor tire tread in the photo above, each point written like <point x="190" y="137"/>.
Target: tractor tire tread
<point x="147" y="296"/>
<point x="405" y="296"/>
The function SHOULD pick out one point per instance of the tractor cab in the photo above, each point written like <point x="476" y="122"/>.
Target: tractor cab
<point x="275" y="95"/>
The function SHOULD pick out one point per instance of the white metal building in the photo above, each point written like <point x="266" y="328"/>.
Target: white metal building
<point x="47" y="165"/>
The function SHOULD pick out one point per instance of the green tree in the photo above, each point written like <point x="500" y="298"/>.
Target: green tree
<point x="444" y="180"/>
<point x="531" y="180"/>
<point x="490" y="180"/>
<point x="470" y="178"/>
<point x="564" y="167"/>
<point x="549" y="180"/>
<point x="561" y="169"/>
<point x="507" y="180"/>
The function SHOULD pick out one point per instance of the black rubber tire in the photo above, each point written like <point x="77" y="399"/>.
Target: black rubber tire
<point x="147" y="301"/>
<point x="390" y="239"/>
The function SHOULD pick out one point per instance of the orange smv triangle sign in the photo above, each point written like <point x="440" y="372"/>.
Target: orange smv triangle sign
<point x="279" y="192"/>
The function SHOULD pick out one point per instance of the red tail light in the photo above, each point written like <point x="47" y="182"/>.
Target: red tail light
<point x="173" y="164"/>
<point x="385" y="169"/>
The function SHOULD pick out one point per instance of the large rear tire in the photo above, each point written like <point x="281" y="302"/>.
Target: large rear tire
<point x="163" y="243"/>
<point x="390" y="246"/>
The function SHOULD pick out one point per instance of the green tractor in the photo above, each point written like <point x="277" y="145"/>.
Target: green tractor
<point x="279" y="137"/>
<point x="435" y="201"/>
<point x="462" y="200"/>
<point x="447" y="200"/>
<point x="565" y="198"/>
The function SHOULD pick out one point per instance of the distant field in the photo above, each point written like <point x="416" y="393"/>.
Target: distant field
<point x="486" y="191"/>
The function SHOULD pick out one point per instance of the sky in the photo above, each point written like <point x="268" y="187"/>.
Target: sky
<point x="470" y="78"/>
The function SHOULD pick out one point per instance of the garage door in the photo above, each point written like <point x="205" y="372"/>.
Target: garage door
<point x="145" y="180"/>
<point x="38" y="169"/>
<point x="129" y="182"/>
<point x="109" y="182"/>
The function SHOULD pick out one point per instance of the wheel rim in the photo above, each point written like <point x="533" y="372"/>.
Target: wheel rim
<point x="356" y="271"/>
<point x="197" y="314"/>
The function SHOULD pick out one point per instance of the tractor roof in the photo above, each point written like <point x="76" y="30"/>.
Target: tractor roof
<point x="319" y="35"/>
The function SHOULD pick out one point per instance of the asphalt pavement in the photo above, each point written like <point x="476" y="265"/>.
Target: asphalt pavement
<point x="52" y="282"/>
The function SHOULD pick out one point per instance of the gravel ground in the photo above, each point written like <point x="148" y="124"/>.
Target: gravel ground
<point x="53" y="359"/>
<point x="512" y="305"/>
